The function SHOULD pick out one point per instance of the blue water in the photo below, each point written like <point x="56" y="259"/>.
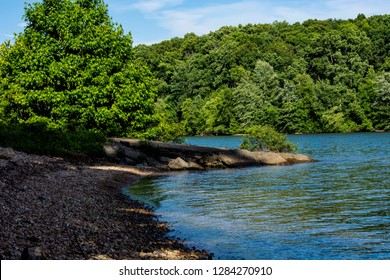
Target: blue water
<point x="337" y="208"/>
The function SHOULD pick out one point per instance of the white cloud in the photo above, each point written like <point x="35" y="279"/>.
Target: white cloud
<point x="203" y="20"/>
<point x="150" y="6"/>
<point x="178" y="17"/>
<point x="207" y="18"/>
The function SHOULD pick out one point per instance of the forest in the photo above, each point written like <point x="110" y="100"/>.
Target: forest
<point x="74" y="74"/>
<point x="310" y="77"/>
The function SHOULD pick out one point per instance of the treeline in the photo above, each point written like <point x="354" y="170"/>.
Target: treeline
<point x="310" y="77"/>
<point x="72" y="77"/>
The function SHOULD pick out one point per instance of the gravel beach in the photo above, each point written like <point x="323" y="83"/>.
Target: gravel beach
<point x="53" y="209"/>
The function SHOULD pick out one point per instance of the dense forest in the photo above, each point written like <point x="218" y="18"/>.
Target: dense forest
<point x="310" y="77"/>
<point x="73" y="75"/>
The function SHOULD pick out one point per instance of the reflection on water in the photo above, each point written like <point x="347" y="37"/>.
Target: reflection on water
<point x="338" y="208"/>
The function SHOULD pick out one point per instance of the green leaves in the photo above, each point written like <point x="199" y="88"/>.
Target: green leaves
<point x="381" y="104"/>
<point x="265" y="139"/>
<point x="74" y="68"/>
<point x="318" y="76"/>
<point x="255" y="94"/>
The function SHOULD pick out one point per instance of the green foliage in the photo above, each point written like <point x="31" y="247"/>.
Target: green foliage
<point x="318" y="76"/>
<point x="256" y="93"/>
<point x="381" y="104"/>
<point x="41" y="138"/>
<point x="73" y="73"/>
<point x="73" y="68"/>
<point x="265" y="138"/>
<point x="168" y="128"/>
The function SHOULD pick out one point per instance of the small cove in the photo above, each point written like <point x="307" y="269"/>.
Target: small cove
<point x="337" y="208"/>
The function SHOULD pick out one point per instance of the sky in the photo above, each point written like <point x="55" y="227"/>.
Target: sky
<point x="152" y="21"/>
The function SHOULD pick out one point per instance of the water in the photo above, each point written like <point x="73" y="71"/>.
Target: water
<point x="337" y="208"/>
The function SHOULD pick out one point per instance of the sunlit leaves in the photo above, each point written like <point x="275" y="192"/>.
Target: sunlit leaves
<point x="73" y="67"/>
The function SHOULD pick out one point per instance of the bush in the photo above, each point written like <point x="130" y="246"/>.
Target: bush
<point x="43" y="139"/>
<point x="265" y="138"/>
<point x="163" y="132"/>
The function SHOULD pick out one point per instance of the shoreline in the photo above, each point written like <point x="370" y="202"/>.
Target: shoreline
<point x="56" y="210"/>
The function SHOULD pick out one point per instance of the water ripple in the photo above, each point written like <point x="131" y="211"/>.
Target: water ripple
<point x="337" y="208"/>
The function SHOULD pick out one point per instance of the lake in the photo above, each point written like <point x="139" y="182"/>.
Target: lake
<point x="336" y="208"/>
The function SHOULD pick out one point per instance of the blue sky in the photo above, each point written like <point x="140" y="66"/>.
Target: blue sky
<point x="152" y="21"/>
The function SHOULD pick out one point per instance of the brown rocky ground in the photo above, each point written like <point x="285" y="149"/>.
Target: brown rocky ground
<point x="52" y="209"/>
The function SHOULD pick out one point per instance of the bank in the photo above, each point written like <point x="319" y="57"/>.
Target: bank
<point x="57" y="209"/>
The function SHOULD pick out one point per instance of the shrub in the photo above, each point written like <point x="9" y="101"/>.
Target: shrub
<point x="41" y="138"/>
<point x="265" y="138"/>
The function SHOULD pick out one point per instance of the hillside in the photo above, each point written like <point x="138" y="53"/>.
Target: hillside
<point x="310" y="77"/>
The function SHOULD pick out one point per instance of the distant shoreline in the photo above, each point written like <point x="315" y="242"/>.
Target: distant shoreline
<point x="295" y="133"/>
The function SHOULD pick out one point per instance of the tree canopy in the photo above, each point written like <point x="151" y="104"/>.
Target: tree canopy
<point x="316" y="76"/>
<point x="73" y="68"/>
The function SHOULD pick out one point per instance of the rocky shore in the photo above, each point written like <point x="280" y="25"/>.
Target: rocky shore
<point x="162" y="156"/>
<point x="51" y="208"/>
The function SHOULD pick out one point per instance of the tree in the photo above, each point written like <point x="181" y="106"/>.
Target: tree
<point x="168" y="128"/>
<point x="265" y="138"/>
<point x="318" y="76"/>
<point x="193" y="119"/>
<point x="73" y="68"/>
<point x="381" y="104"/>
<point x="255" y="93"/>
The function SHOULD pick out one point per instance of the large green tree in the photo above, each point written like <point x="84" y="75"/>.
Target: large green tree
<point x="255" y="94"/>
<point x="73" y="68"/>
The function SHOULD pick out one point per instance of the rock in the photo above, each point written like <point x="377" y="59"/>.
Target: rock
<point x="227" y="160"/>
<point x="6" y="154"/>
<point x="33" y="239"/>
<point x="194" y="166"/>
<point x="110" y="151"/>
<point x="301" y="158"/>
<point x="35" y="253"/>
<point x="271" y="158"/>
<point x="236" y="160"/>
<point x="169" y="156"/>
<point x="295" y="158"/>
<point x="178" y="164"/>
<point x="152" y="162"/>
<point x="134" y="154"/>
<point x="164" y="159"/>
<point x="43" y="198"/>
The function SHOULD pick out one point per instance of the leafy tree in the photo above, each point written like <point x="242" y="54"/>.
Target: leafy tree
<point x="255" y="94"/>
<point x="265" y="138"/>
<point x="72" y="67"/>
<point x="168" y="129"/>
<point x="318" y="76"/>
<point x="381" y="105"/>
<point x="217" y="112"/>
<point x="193" y="119"/>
